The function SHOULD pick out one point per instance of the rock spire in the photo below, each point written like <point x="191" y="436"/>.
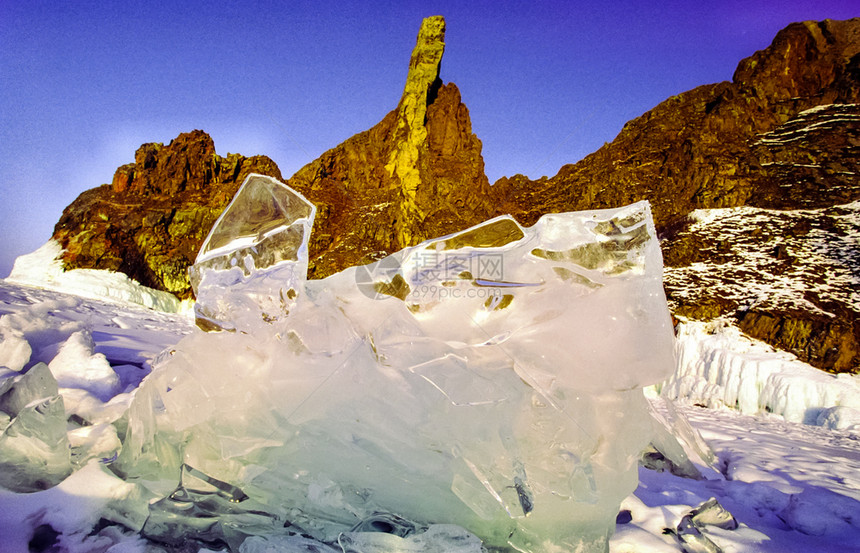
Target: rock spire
<point x="410" y="132"/>
<point x="417" y="174"/>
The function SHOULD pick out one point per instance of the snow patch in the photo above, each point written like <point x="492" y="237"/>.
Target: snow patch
<point x="76" y="365"/>
<point x="42" y="268"/>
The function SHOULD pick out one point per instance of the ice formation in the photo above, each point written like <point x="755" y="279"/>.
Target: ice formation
<point x="255" y="258"/>
<point x="34" y="447"/>
<point x="489" y="379"/>
<point x="717" y="366"/>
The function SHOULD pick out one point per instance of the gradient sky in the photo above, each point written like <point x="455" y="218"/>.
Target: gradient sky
<point x="83" y="84"/>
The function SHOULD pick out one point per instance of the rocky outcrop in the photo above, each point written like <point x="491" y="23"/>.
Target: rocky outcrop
<point x="415" y="175"/>
<point x="150" y="221"/>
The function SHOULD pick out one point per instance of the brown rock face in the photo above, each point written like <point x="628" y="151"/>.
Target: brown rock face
<point x="415" y="175"/>
<point x="150" y="221"/>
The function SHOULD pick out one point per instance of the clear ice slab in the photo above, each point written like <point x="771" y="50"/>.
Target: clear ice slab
<point x="34" y="446"/>
<point x="255" y="257"/>
<point x="489" y="379"/>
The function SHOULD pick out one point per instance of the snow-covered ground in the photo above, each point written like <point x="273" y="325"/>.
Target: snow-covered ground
<point x="785" y="440"/>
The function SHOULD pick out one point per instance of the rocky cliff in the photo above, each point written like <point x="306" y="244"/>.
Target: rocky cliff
<point x="751" y="183"/>
<point x="787" y="275"/>
<point x="150" y="221"/>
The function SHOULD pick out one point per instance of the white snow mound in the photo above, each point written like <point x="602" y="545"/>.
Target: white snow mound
<point x="42" y="268"/>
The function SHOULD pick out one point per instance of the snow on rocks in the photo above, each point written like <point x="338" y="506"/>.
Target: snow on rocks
<point x="830" y="246"/>
<point x="42" y="268"/>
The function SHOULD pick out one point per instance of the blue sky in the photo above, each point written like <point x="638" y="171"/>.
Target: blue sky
<point x="83" y="84"/>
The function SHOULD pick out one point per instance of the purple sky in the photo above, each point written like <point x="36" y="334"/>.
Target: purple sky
<point x="83" y="84"/>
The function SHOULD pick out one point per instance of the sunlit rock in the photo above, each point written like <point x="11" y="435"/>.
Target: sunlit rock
<point x="489" y="379"/>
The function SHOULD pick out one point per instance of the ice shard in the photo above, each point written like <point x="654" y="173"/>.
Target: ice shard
<point x="22" y="389"/>
<point x="207" y="510"/>
<point x="34" y="448"/>
<point x="253" y="262"/>
<point x="489" y="379"/>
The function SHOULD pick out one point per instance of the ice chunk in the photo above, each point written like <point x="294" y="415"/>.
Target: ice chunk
<point x="689" y="532"/>
<point x="676" y="444"/>
<point x="34" y="448"/>
<point x="206" y="509"/>
<point x="490" y="379"/>
<point x="19" y="391"/>
<point x="254" y="260"/>
<point x="711" y="513"/>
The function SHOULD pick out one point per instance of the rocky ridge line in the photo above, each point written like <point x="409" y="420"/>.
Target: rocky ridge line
<point x="150" y="221"/>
